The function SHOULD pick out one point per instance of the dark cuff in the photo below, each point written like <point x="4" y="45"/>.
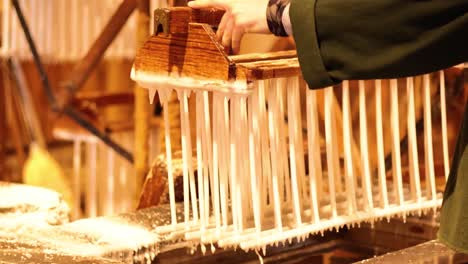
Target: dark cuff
<point x="274" y="14"/>
<point x="302" y="15"/>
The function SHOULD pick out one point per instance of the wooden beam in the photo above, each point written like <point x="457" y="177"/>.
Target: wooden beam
<point x="85" y="66"/>
<point x="141" y="106"/>
<point x="104" y="98"/>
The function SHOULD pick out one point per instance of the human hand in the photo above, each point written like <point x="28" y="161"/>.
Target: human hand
<point x="241" y="16"/>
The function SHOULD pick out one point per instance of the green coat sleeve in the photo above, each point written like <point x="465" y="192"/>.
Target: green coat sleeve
<point x="371" y="39"/>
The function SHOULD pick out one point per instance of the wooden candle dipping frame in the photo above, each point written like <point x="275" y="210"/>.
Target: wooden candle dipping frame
<point x="184" y="39"/>
<point x="247" y="151"/>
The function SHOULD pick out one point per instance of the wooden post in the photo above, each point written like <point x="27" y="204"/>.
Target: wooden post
<point x="3" y="128"/>
<point x="142" y="106"/>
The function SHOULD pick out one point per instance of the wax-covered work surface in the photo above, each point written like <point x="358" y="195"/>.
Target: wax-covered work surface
<point x="27" y="236"/>
<point x="432" y="252"/>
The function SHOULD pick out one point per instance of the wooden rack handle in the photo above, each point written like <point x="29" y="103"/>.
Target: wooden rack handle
<point x="175" y="20"/>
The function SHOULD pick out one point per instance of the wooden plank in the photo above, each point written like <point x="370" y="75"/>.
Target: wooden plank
<point x="196" y="55"/>
<point x="129" y="125"/>
<point x="268" y="69"/>
<point x="66" y="126"/>
<point x="104" y="98"/>
<point x="254" y="57"/>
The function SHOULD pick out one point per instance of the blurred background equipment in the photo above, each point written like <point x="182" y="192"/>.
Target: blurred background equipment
<point x="63" y="34"/>
<point x="265" y="164"/>
<point x="39" y="161"/>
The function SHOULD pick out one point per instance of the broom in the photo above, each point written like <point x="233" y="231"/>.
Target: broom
<point x="40" y="168"/>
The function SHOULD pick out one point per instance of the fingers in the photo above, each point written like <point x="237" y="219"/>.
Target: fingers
<point x="240" y="27"/>
<point x="237" y="34"/>
<point x="227" y="35"/>
<point x="222" y="25"/>
<point x="232" y="31"/>
<point x="233" y="24"/>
